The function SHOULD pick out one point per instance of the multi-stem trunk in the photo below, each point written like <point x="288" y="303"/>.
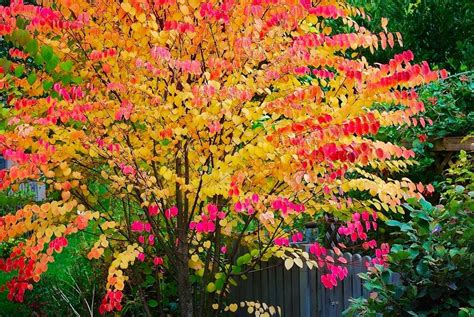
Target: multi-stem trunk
<point x="184" y="284"/>
<point x="185" y="292"/>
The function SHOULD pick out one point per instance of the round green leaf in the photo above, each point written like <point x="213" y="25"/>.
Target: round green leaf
<point x="46" y="52"/>
<point x="32" y="47"/>
<point x="47" y="85"/>
<point x="211" y="287"/>
<point x="32" y="78"/>
<point x="19" y="70"/>
<point x="152" y="303"/>
<point x="219" y="284"/>
<point x="66" y="66"/>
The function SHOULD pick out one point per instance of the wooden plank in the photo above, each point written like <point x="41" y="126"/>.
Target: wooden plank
<point x="295" y="291"/>
<point x="299" y="292"/>
<point x="356" y="282"/>
<point x="304" y="290"/>
<point x="265" y="294"/>
<point x="453" y="144"/>
<point x="347" y="283"/>
<point x="257" y="285"/>
<point x="312" y="281"/>
<point x="280" y="286"/>
<point x="287" y="291"/>
<point x="320" y="293"/>
<point x="365" y="292"/>
<point x="3" y="163"/>
<point x="338" y="299"/>
<point x="271" y="272"/>
<point x="311" y="290"/>
<point x="449" y="144"/>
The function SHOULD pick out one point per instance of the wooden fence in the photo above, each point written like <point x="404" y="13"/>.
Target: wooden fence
<point x="299" y="292"/>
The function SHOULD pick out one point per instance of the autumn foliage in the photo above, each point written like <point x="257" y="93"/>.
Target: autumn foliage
<point x="190" y="136"/>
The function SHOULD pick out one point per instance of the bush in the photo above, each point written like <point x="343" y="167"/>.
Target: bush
<point x="449" y="105"/>
<point x="436" y="30"/>
<point x="433" y="255"/>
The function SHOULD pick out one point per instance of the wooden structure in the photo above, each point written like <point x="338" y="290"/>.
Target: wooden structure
<point x="454" y="144"/>
<point x="299" y="292"/>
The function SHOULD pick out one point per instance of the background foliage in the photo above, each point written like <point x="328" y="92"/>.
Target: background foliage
<point x="433" y="253"/>
<point x="439" y="31"/>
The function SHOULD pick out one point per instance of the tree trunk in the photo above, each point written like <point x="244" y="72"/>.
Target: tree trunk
<point x="185" y="291"/>
<point x="184" y="286"/>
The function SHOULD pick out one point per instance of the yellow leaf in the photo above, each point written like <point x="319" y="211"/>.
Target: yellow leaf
<point x="289" y="263"/>
<point x="67" y="172"/>
<point x="194" y="3"/>
<point x="184" y="10"/>
<point x="92" y="153"/>
<point x="271" y="310"/>
<point x="298" y="262"/>
<point x="126" y="6"/>
<point x="384" y="24"/>
<point x="65" y="195"/>
<point x="141" y="17"/>
<point x="48" y="232"/>
<point x="211" y="287"/>
<point x="233" y="307"/>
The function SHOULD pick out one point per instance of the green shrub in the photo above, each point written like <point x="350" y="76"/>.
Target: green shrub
<point x="439" y="31"/>
<point x="449" y="104"/>
<point x="433" y="253"/>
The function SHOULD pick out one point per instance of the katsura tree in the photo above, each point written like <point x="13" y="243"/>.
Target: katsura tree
<point x="193" y="138"/>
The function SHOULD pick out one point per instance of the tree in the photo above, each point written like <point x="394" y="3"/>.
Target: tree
<point x="193" y="138"/>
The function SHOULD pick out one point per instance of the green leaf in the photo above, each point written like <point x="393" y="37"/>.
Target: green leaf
<point x="453" y="252"/>
<point x="5" y="64"/>
<point x="150" y="279"/>
<point x="426" y="205"/>
<point x="244" y="259"/>
<point x="396" y="223"/>
<point x="165" y="142"/>
<point x="236" y="269"/>
<point x="20" y="37"/>
<point x="66" y="66"/>
<point x="47" y="85"/>
<point x="396" y="247"/>
<point x="20" y="23"/>
<point x="32" y="47"/>
<point x="219" y="284"/>
<point x="32" y="78"/>
<point x="459" y="189"/>
<point x="77" y="80"/>
<point x="19" y="70"/>
<point x="254" y="252"/>
<point x="422" y="269"/>
<point x="400" y="255"/>
<point x="463" y="313"/>
<point x="211" y="287"/>
<point x="46" y="52"/>
<point x="413" y="252"/>
<point x="412" y="201"/>
<point x="421" y="215"/>
<point x="152" y="303"/>
<point x="52" y="63"/>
